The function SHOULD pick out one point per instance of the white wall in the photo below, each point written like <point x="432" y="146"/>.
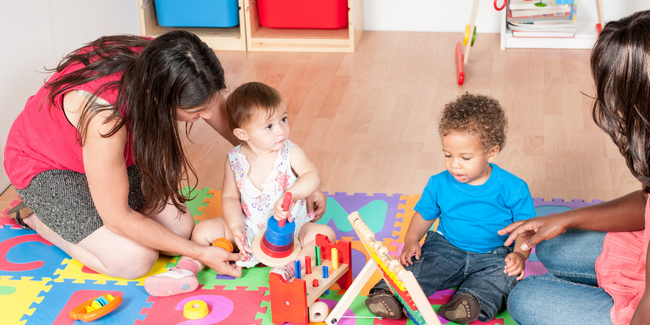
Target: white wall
<point x="39" y="33"/>
<point x="453" y="15"/>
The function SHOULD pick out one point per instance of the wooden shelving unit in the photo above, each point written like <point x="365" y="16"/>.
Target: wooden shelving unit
<point x="585" y="36"/>
<point x="219" y="39"/>
<point x="260" y="38"/>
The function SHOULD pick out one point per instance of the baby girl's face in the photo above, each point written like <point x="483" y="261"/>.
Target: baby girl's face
<point x="268" y="132"/>
<point x="466" y="159"/>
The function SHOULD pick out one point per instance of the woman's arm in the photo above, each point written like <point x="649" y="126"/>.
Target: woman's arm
<point x="219" y="122"/>
<point x="109" y="186"/>
<point x="623" y="214"/>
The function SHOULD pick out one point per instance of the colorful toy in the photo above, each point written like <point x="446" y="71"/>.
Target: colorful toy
<point x="195" y="309"/>
<point x="223" y="243"/>
<point x="290" y="300"/>
<point x="402" y="282"/>
<point x="461" y="59"/>
<point x="95" y="308"/>
<point x="276" y="245"/>
<point x="318" y="311"/>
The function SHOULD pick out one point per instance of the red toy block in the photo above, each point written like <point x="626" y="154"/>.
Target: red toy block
<point x="288" y="300"/>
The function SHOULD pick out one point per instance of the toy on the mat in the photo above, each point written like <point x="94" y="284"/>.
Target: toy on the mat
<point x="401" y="282"/>
<point x="223" y="243"/>
<point x="276" y="245"/>
<point x="318" y="311"/>
<point x="290" y="301"/>
<point x="95" y="308"/>
<point x="195" y="309"/>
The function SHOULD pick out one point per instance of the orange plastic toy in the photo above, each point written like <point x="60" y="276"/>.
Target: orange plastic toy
<point x="223" y="243"/>
<point x="95" y="308"/>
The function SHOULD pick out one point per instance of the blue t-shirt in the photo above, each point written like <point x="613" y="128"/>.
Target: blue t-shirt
<point x="471" y="215"/>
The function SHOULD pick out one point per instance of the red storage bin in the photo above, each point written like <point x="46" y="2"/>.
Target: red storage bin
<point x="315" y="14"/>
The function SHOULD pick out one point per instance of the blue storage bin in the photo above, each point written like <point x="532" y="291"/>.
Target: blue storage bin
<point x="197" y="13"/>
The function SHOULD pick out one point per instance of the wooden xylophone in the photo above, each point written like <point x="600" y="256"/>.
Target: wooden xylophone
<point x="402" y="282"/>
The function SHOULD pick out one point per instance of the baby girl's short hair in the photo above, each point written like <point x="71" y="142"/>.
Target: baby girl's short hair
<point x="248" y="99"/>
<point x="477" y="115"/>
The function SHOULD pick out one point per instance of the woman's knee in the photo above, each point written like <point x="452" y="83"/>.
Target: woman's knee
<point x="522" y="300"/>
<point x="133" y="265"/>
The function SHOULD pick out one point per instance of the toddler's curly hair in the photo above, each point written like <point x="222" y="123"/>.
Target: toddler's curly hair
<point x="477" y="115"/>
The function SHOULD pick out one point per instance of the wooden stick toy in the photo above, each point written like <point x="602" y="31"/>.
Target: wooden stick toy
<point x="401" y="282"/>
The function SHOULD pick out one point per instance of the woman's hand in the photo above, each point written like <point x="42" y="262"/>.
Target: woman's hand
<point x="316" y="203"/>
<point x="515" y="265"/>
<point x="409" y="250"/>
<point x="535" y="230"/>
<point x="222" y="261"/>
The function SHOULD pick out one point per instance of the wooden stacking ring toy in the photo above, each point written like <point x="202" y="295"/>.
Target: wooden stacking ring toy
<point x="223" y="243"/>
<point x="195" y="309"/>
<point x="277" y="245"/>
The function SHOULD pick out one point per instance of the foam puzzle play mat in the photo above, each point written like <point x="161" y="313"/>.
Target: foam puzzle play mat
<point x="40" y="284"/>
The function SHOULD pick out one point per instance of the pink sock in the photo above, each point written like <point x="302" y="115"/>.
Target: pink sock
<point x="189" y="264"/>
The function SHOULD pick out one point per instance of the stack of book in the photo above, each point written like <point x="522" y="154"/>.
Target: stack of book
<point x="527" y="20"/>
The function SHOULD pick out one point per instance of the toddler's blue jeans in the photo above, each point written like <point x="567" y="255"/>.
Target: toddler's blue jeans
<point x="443" y="265"/>
<point x="569" y="292"/>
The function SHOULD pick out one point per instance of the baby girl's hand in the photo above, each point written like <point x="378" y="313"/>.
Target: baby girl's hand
<point x="239" y="234"/>
<point x="515" y="265"/>
<point x="281" y="208"/>
<point x="408" y="251"/>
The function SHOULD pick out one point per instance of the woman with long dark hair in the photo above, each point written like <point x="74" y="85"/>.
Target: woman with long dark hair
<point x="97" y="155"/>
<point x="597" y="256"/>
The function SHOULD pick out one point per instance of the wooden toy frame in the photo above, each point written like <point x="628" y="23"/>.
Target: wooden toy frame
<point x="290" y="300"/>
<point x="402" y="282"/>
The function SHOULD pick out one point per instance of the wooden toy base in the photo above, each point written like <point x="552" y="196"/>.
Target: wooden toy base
<point x="290" y="299"/>
<point x="271" y="261"/>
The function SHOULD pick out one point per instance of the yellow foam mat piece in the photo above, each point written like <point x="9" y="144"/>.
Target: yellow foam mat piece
<point x="73" y="271"/>
<point x="14" y="305"/>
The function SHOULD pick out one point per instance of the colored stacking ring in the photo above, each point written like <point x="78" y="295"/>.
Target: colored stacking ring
<point x="273" y="254"/>
<point x="195" y="309"/>
<point x="473" y="37"/>
<point x="272" y="226"/>
<point x="276" y="248"/>
<point x="223" y="243"/>
<point x="278" y="240"/>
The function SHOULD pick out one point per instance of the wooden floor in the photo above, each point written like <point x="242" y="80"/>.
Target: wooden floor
<point x="368" y="120"/>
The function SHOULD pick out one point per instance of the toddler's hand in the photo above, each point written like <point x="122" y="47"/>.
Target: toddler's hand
<point x="515" y="265"/>
<point x="279" y="213"/>
<point x="239" y="234"/>
<point x="408" y="251"/>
